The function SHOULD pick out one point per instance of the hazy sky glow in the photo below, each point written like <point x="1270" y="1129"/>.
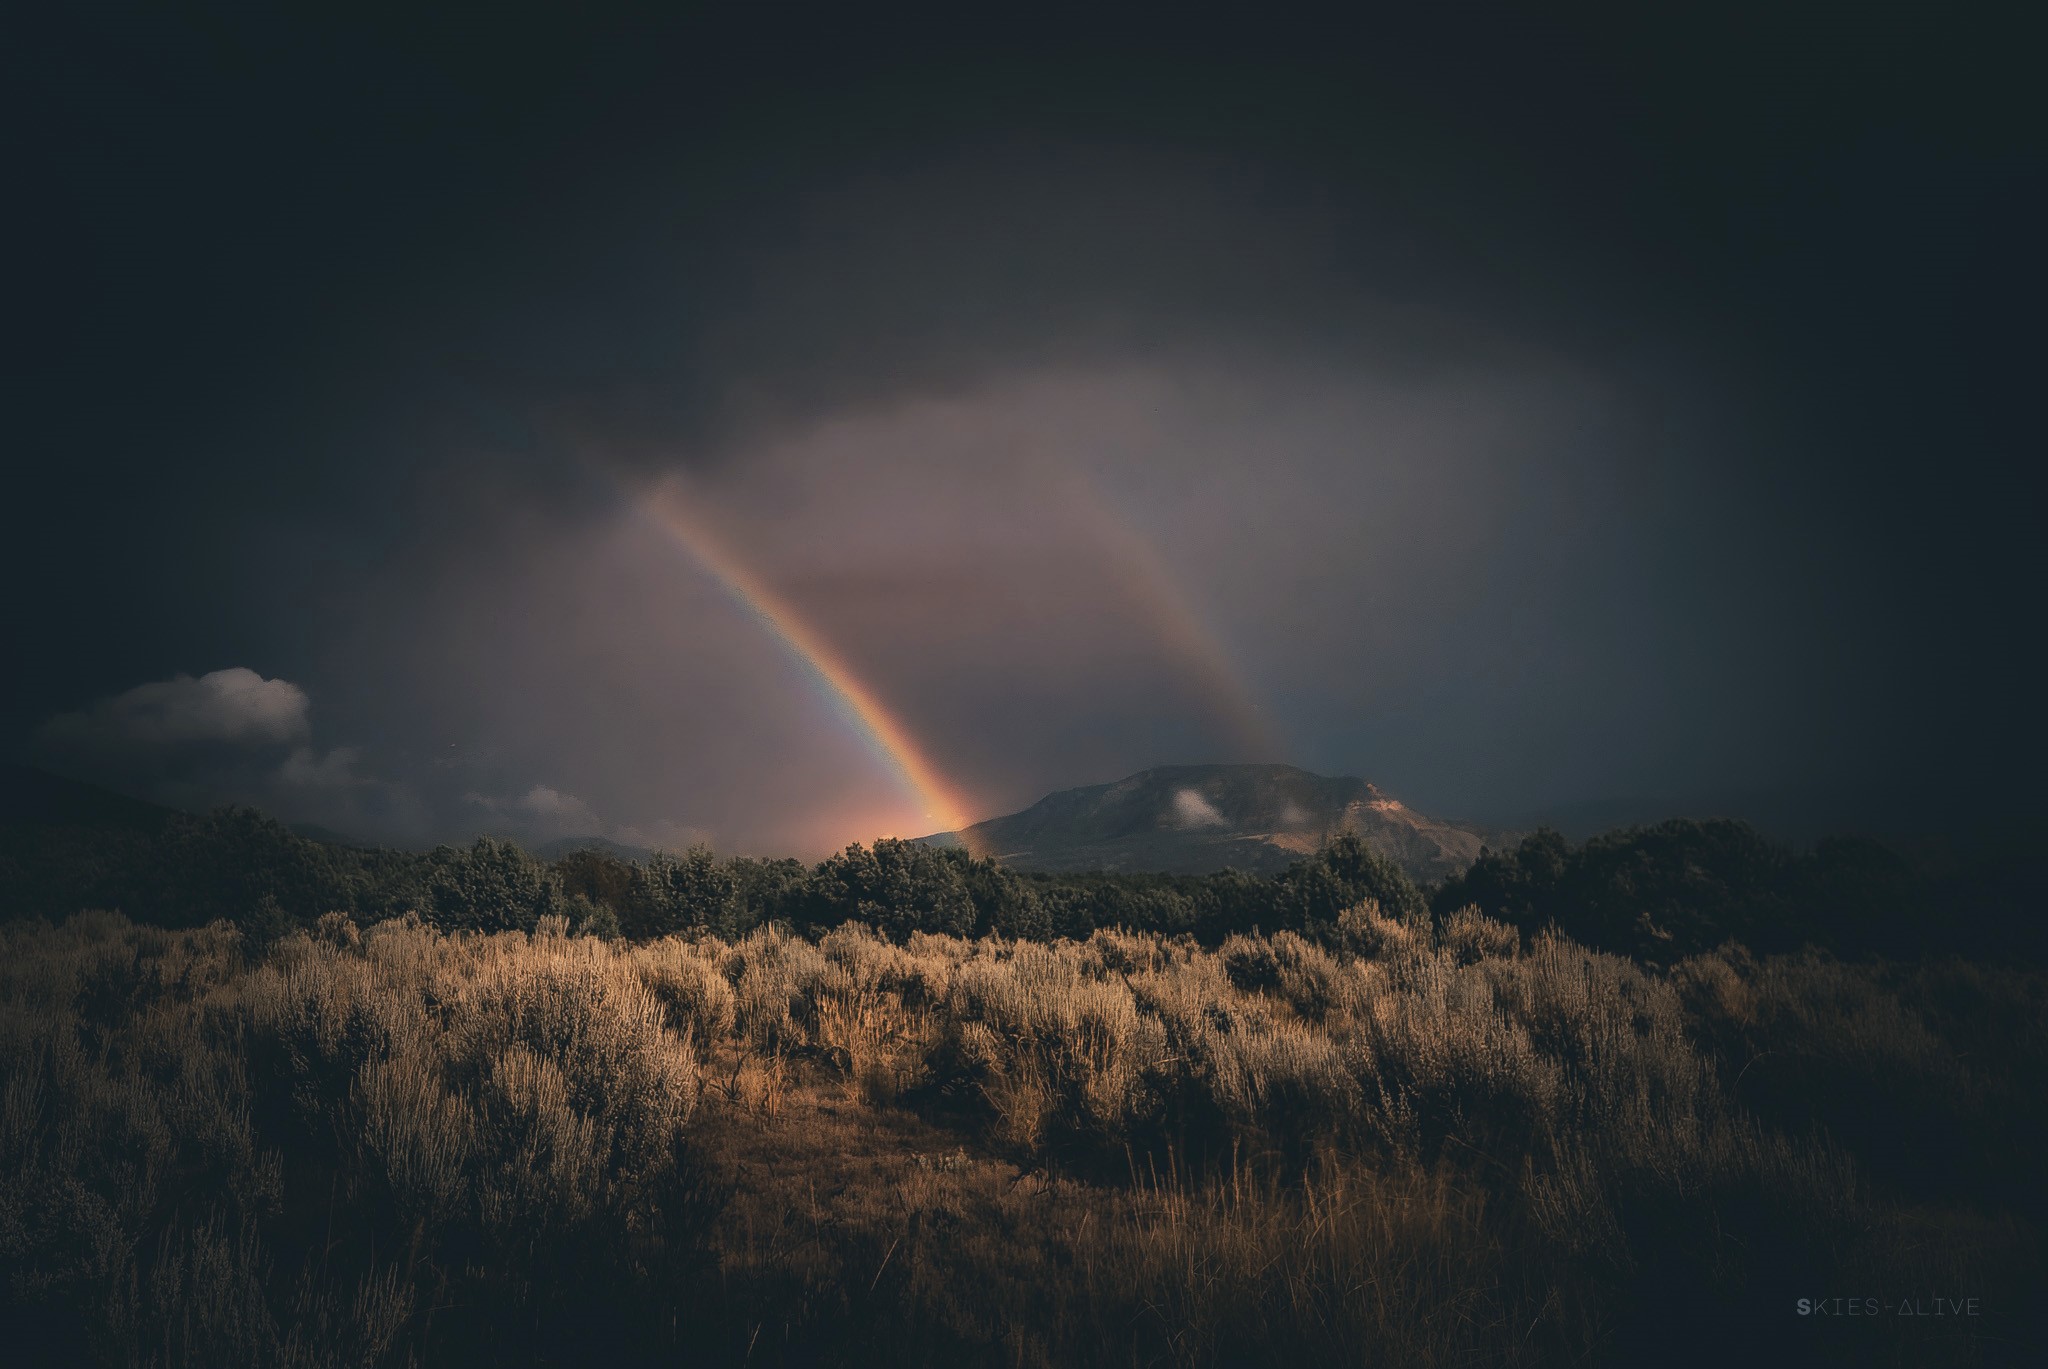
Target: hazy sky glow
<point x="1541" y="412"/>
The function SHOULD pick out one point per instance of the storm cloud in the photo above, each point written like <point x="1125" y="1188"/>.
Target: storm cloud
<point x="1521" y="413"/>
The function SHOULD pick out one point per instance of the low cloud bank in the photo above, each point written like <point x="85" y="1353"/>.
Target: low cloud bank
<point x="228" y="736"/>
<point x="235" y="707"/>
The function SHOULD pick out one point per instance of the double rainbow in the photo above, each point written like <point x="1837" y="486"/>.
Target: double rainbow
<point x="1145" y="580"/>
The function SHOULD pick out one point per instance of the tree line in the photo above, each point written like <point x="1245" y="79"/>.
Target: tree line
<point x="1657" y="893"/>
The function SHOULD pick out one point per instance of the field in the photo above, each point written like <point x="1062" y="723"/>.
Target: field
<point x="1418" y="1140"/>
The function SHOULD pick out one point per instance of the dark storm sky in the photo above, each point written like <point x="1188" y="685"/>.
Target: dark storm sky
<point x="1520" y="408"/>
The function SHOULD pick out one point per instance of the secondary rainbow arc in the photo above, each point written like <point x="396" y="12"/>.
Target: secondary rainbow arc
<point x="1148" y="584"/>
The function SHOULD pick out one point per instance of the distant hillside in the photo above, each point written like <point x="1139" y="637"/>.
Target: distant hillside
<point x="1197" y="819"/>
<point x="30" y="797"/>
<point x="563" y="846"/>
<point x="36" y="798"/>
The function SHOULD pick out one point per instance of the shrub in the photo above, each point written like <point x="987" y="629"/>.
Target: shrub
<point x="394" y="1143"/>
<point x="688" y="982"/>
<point x="1472" y="936"/>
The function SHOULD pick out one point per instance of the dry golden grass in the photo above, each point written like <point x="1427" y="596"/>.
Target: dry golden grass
<point x="1406" y="1144"/>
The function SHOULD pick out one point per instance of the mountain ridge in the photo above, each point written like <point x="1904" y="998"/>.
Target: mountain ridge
<point x="1197" y="819"/>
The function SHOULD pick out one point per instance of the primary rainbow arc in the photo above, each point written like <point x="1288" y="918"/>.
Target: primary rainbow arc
<point x="885" y="733"/>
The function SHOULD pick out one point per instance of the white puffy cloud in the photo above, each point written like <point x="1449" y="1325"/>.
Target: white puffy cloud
<point x="229" y="736"/>
<point x="552" y="805"/>
<point x="543" y="811"/>
<point x="306" y="768"/>
<point x="331" y="791"/>
<point x="236" y="706"/>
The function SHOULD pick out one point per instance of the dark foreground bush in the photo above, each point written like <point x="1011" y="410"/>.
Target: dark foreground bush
<point x="1683" y="887"/>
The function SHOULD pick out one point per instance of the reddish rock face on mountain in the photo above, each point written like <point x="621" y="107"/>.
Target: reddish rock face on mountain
<point x="1194" y="819"/>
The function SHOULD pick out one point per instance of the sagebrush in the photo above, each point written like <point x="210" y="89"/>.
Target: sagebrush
<point x="1401" y="1140"/>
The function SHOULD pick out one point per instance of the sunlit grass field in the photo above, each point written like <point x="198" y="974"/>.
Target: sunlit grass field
<point x="1423" y="1141"/>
